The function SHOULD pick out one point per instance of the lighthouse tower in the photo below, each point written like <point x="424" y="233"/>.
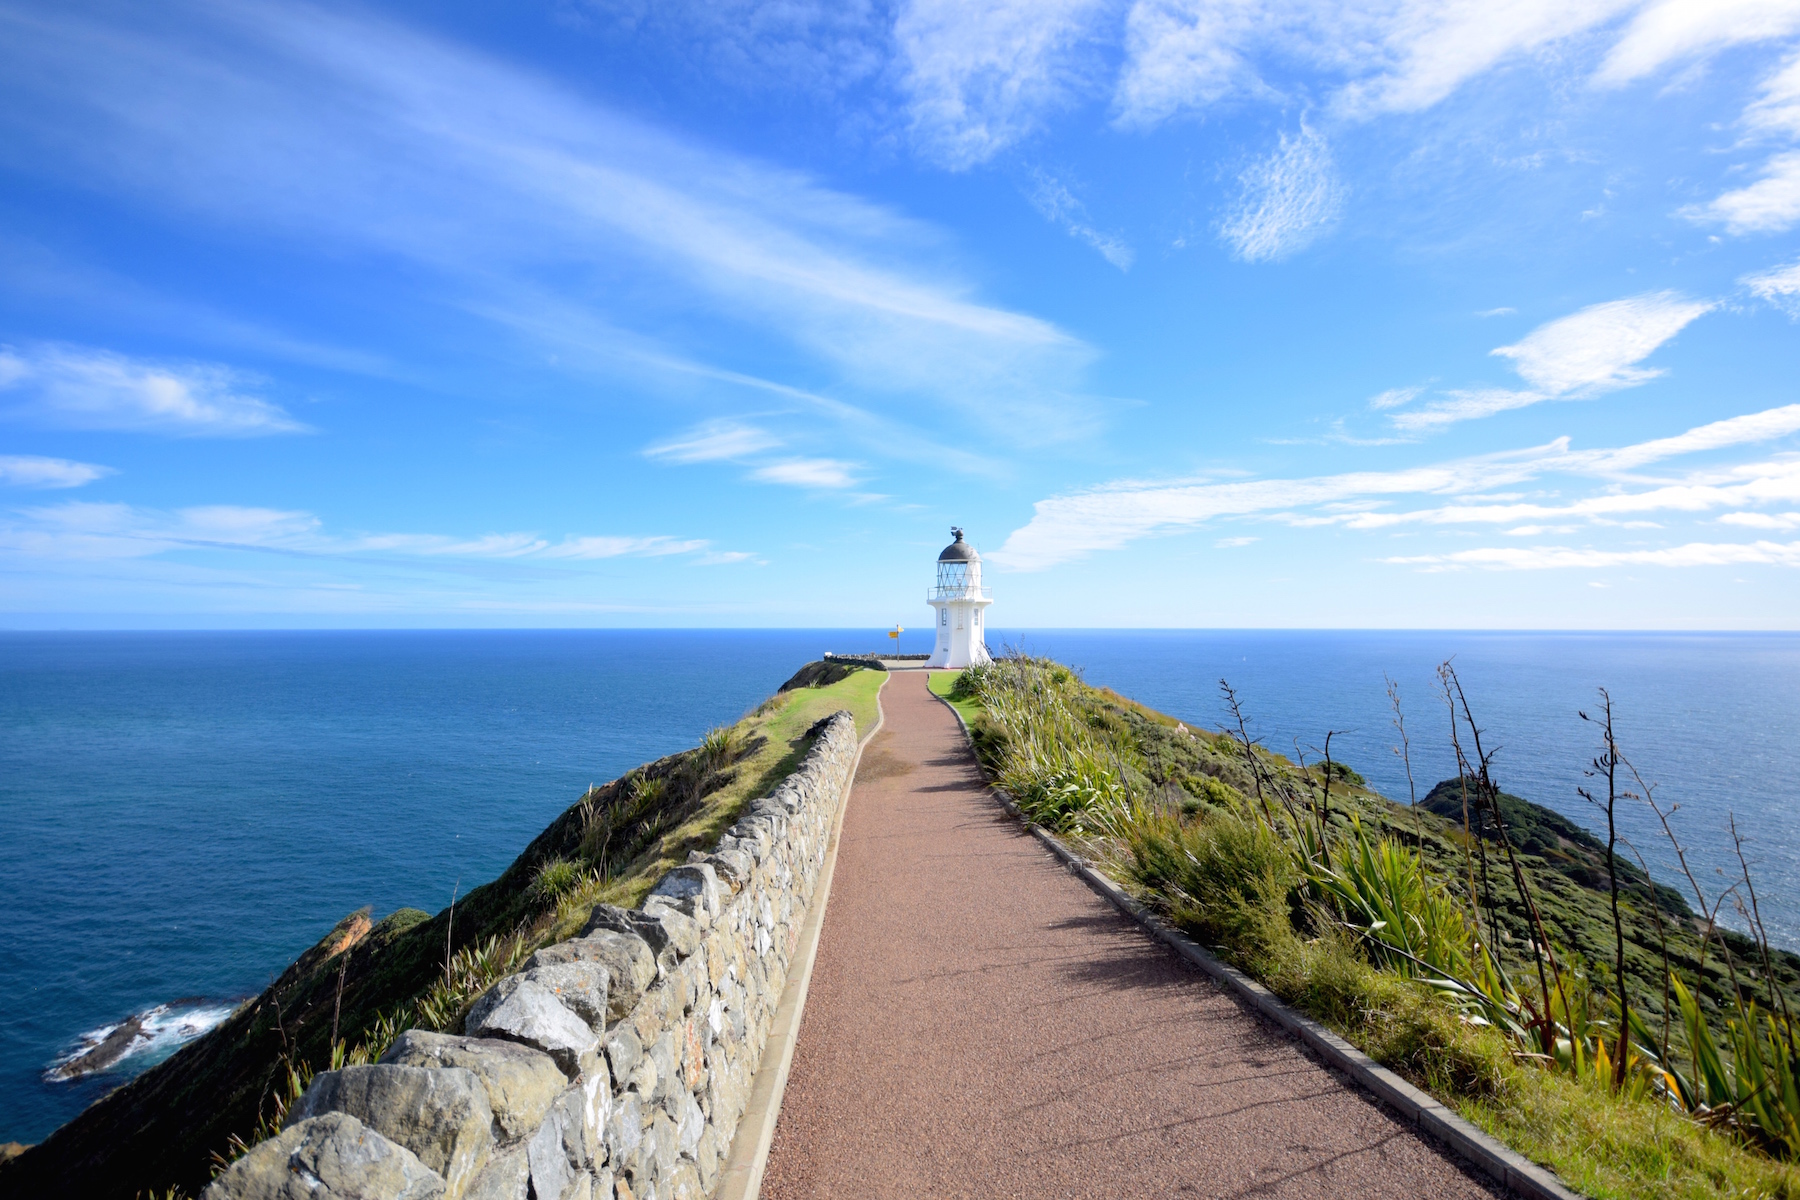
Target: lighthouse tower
<point x="959" y="599"/>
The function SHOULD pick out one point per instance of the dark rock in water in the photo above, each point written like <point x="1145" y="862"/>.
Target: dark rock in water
<point x="115" y="1046"/>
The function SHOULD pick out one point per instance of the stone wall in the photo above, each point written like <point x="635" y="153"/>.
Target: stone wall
<point x="616" y="1065"/>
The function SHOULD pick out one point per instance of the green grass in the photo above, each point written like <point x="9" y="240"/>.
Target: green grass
<point x="856" y="693"/>
<point x="777" y="728"/>
<point x="941" y="682"/>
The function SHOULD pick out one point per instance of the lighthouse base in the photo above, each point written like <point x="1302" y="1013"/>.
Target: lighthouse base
<point x="959" y="640"/>
<point x="973" y="657"/>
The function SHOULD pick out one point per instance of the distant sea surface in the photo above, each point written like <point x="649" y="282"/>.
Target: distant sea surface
<point x="181" y="814"/>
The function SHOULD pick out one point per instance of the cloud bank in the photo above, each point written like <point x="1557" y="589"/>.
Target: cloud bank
<point x="1069" y="527"/>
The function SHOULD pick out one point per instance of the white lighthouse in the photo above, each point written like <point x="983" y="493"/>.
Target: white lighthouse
<point x="959" y="599"/>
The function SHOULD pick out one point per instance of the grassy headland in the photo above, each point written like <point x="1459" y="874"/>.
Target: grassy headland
<point x="347" y="998"/>
<point x="1411" y="937"/>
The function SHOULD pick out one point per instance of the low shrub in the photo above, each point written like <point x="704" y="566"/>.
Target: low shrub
<point x="719" y="747"/>
<point x="968" y="682"/>
<point x="1227" y="879"/>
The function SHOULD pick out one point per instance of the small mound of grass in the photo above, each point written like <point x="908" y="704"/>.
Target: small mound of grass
<point x="554" y="880"/>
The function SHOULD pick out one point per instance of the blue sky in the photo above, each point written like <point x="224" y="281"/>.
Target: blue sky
<point x="1192" y="312"/>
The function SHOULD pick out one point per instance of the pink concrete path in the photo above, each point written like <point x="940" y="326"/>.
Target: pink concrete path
<point x="981" y="1024"/>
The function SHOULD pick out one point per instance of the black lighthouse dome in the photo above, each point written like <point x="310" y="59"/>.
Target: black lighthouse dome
<point x="959" y="550"/>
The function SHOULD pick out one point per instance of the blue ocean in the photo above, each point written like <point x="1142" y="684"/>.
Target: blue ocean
<point x="183" y="813"/>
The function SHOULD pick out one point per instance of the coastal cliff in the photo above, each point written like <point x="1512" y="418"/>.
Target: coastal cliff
<point x="366" y="982"/>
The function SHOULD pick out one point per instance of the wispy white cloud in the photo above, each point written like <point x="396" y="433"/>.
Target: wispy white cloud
<point x="1598" y="348"/>
<point x="1763" y="426"/>
<point x="1757" y="520"/>
<point x="1769" y="205"/>
<point x="981" y="77"/>
<point x="1780" y="286"/>
<point x="86" y="530"/>
<point x="642" y="547"/>
<point x="79" y="387"/>
<point x="1060" y="207"/>
<point x="1463" y="404"/>
<point x="1425" y="51"/>
<point x="358" y="134"/>
<point x="1233" y="543"/>
<point x="1552" y="558"/>
<point x="823" y="473"/>
<point x="1583" y="354"/>
<point x="1394" y="398"/>
<point x="1393" y="56"/>
<point x="1776" y="481"/>
<point x="714" y="441"/>
<point x="1075" y="525"/>
<point x="35" y="471"/>
<point x="1666" y="31"/>
<point x="1072" y="526"/>
<point x="1285" y="201"/>
<point x="1182" y="54"/>
<point x="1776" y="110"/>
<point x="1405" y="55"/>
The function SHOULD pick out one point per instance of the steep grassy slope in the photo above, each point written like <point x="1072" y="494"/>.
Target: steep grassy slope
<point x="163" y="1129"/>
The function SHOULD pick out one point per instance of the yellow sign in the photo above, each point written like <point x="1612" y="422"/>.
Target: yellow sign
<point x="895" y="632"/>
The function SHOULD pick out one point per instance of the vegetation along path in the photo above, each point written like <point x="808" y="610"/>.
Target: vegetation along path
<point x="981" y="1024"/>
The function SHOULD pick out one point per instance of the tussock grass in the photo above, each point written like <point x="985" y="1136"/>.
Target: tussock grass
<point x="554" y="879"/>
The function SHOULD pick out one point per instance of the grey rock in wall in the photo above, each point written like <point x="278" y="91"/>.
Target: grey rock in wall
<point x="521" y="1083"/>
<point x="507" y="1176"/>
<point x="692" y="889"/>
<point x="529" y="1013"/>
<point x="332" y="1157"/>
<point x="662" y="930"/>
<point x="564" y="1149"/>
<point x="441" y="1115"/>
<point x="580" y="986"/>
<point x="630" y="965"/>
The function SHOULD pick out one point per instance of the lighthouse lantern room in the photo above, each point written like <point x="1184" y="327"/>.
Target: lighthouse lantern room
<point x="959" y="600"/>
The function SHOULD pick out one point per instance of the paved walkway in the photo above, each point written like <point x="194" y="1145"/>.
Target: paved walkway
<point x="981" y="1024"/>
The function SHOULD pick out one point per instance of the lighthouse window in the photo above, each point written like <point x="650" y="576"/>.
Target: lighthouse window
<point x="943" y="617"/>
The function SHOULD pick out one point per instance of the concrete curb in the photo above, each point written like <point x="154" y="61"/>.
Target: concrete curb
<point x="742" y="1177"/>
<point x="1506" y="1167"/>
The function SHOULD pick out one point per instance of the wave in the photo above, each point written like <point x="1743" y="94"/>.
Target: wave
<point x="141" y="1040"/>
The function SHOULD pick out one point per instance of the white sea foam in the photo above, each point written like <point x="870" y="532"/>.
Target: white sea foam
<point x="161" y="1030"/>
